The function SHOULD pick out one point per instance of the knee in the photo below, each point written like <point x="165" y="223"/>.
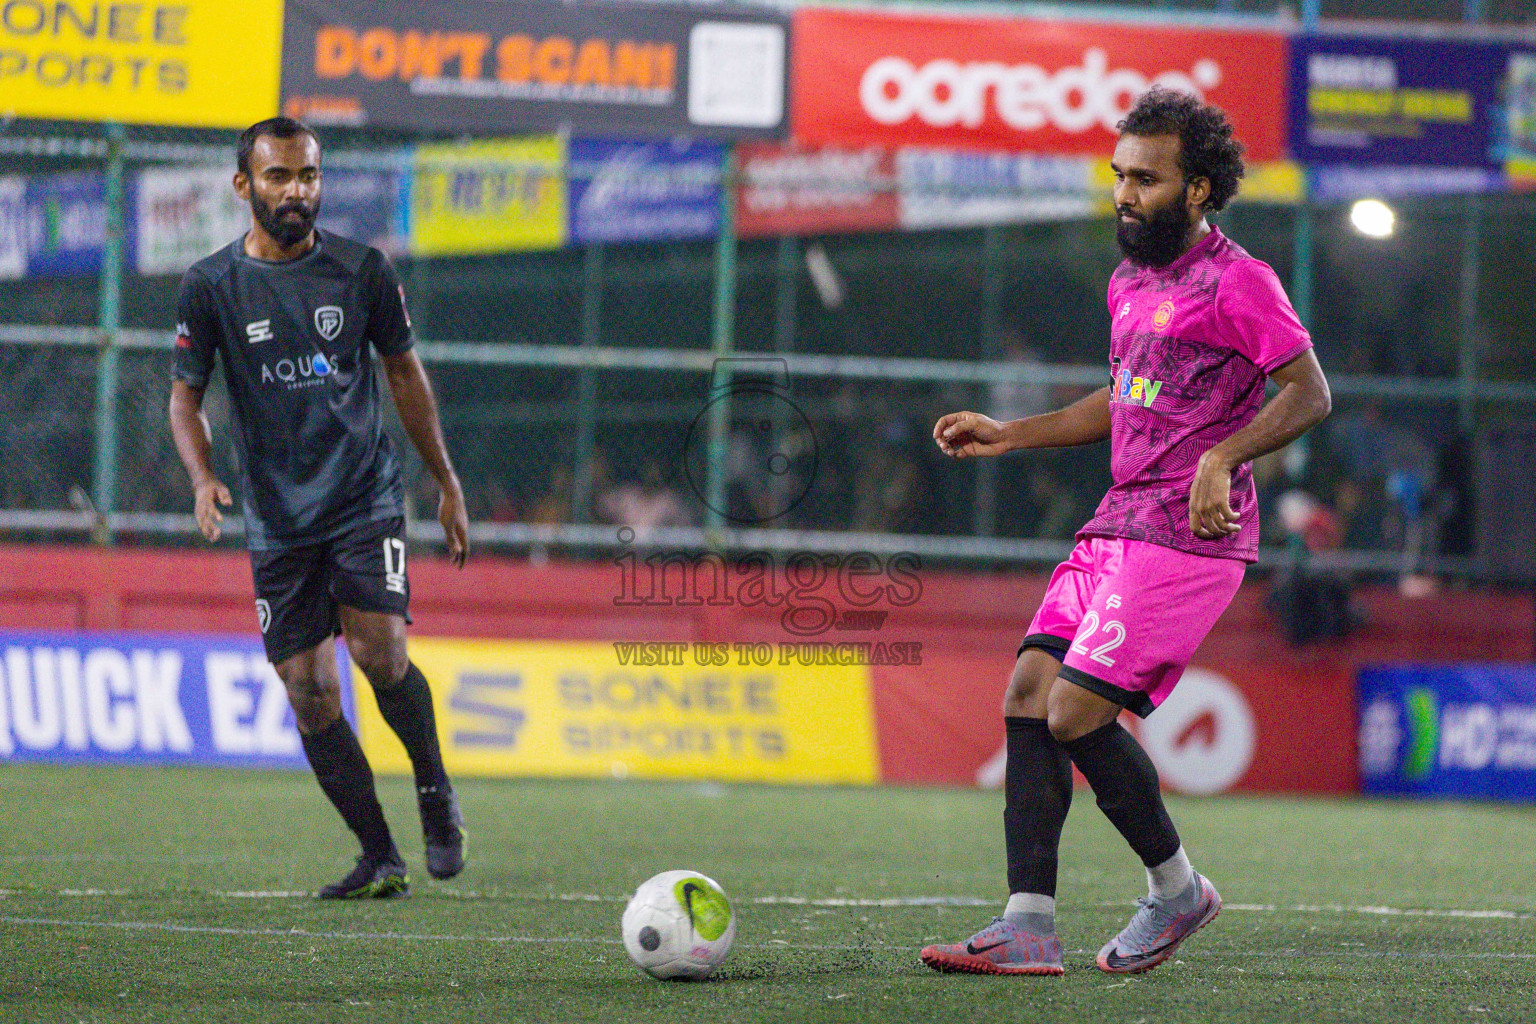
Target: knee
<point x="316" y="701"/>
<point x="383" y="662"/>
<point x="1069" y="717"/>
<point x="1029" y="686"/>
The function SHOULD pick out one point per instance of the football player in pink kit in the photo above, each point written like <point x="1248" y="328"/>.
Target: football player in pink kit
<point x="1197" y="325"/>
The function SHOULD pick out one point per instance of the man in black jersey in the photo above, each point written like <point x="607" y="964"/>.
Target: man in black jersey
<point x="293" y="313"/>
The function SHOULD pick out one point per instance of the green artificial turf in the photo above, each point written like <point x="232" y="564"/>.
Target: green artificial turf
<point x="122" y="902"/>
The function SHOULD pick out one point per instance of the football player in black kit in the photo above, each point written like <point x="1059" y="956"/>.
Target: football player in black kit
<point x="295" y="315"/>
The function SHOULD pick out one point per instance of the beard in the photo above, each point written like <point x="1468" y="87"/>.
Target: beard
<point x="286" y="231"/>
<point x="1157" y="240"/>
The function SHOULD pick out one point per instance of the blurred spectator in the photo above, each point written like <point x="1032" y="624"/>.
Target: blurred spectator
<point x="501" y="506"/>
<point x="886" y="487"/>
<point x="1015" y="398"/>
<point x="645" y="505"/>
<point x="1056" y="513"/>
<point x="553" y="507"/>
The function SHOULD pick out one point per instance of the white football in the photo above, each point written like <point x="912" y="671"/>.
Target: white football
<point x="679" y="925"/>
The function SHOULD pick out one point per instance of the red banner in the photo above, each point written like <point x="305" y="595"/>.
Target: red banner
<point x="786" y="191"/>
<point x="1020" y="85"/>
<point x="1242" y="727"/>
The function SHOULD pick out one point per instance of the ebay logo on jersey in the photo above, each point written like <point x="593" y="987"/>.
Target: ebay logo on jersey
<point x="1132" y="390"/>
<point x="1019" y="84"/>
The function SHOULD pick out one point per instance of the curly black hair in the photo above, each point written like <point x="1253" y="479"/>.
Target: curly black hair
<point x="1206" y="146"/>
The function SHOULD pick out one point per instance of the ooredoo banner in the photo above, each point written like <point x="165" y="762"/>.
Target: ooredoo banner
<point x="1019" y="85"/>
<point x="629" y="69"/>
<point x="786" y="190"/>
<point x="147" y="698"/>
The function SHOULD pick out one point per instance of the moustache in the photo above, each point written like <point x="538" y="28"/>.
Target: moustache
<point x="1127" y="212"/>
<point x="302" y="209"/>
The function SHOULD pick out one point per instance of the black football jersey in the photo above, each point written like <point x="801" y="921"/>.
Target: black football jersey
<point x="297" y="341"/>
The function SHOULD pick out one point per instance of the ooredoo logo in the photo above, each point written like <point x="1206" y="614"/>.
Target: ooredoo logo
<point x="944" y="93"/>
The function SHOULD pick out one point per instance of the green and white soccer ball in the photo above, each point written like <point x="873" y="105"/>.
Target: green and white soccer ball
<point x="679" y="925"/>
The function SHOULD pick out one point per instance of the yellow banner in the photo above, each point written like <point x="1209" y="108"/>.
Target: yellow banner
<point x="494" y="196"/>
<point x="199" y="63"/>
<point x="574" y="709"/>
<point x="1265" y="181"/>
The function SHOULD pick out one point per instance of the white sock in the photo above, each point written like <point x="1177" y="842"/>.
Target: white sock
<point x="1172" y="877"/>
<point x="1030" y="903"/>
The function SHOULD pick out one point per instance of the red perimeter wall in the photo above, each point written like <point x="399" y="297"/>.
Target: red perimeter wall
<point x="937" y="722"/>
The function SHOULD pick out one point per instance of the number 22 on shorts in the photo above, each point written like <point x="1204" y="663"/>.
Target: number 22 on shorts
<point x="1114" y="629"/>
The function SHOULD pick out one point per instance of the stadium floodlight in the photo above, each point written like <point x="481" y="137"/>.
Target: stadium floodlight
<point x="1373" y="218"/>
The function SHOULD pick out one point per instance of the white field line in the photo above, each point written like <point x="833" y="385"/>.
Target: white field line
<point x="829" y="901"/>
<point x="777" y="944"/>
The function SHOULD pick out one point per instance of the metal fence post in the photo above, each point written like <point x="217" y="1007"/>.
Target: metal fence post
<point x="722" y="344"/>
<point x="984" y="514"/>
<point x="586" y="382"/>
<point x="108" y="371"/>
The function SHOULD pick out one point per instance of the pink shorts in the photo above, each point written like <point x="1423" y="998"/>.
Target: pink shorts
<point x="1125" y="616"/>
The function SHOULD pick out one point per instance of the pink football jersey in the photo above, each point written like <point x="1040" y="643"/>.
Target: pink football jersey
<point x="1190" y="347"/>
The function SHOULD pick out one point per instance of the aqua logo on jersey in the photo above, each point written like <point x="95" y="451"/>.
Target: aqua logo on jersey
<point x="305" y="371"/>
<point x="1131" y="390"/>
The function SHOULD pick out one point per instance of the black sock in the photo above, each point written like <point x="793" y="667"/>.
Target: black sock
<point x="407" y="707"/>
<point x="1038" y="788"/>
<point x="347" y="780"/>
<point x="1124" y="783"/>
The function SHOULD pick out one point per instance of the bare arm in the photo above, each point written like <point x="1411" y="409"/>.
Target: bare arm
<point x="194" y="440"/>
<point x="1302" y="403"/>
<point x="968" y="434"/>
<point x="418" y="411"/>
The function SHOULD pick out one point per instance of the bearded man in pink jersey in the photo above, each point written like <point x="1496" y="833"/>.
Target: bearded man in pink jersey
<point x="1196" y="327"/>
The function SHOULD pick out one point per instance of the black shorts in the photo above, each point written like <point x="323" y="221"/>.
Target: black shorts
<point x="298" y="590"/>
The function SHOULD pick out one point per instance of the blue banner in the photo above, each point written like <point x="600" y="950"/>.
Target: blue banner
<point x="67" y="224"/>
<point x="1449" y="731"/>
<point x="366" y="206"/>
<point x="636" y="191"/>
<point x="1383" y="100"/>
<point x="147" y="698"/>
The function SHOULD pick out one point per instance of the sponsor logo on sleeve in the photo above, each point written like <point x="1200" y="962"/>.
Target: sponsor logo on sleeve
<point x="259" y="330"/>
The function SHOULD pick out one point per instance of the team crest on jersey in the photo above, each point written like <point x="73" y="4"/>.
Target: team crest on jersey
<point x="1163" y="315"/>
<point x="263" y="614"/>
<point x="328" y="321"/>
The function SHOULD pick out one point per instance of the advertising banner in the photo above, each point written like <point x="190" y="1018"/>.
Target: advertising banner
<point x="641" y="710"/>
<point x="198" y="63"/>
<point x="653" y="69"/>
<point x="67" y="224"/>
<point x="13" y="226"/>
<point x="1229" y="725"/>
<point x="1019" y="85"/>
<point x="185" y="213"/>
<point x="644" y="191"/>
<point x="943" y="188"/>
<point x="1384" y="100"/>
<point x="364" y="205"/>
<point x="498" y="195"/>
<point x="1449" y="731"/>
<point x="793" y="191"/>
<point x="147" y="698"/>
